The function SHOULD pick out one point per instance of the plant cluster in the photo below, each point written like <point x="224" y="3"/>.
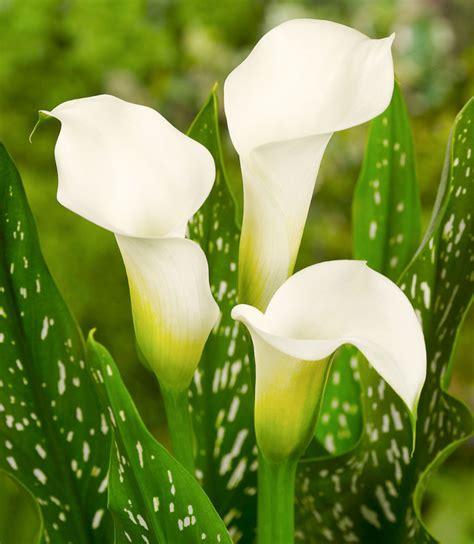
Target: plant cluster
<point x="323" y="416"/>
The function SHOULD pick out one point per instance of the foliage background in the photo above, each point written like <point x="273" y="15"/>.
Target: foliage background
<point x="167" y="54"/>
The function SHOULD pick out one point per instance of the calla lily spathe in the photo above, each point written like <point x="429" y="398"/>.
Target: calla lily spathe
<point x="303" y="81"/>
<point x="309" y="317"/>
<point x="126" y="168"/>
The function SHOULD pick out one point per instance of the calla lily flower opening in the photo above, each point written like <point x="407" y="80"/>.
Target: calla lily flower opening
<point x="309" y="317"/>
<point x="126" y="168"/>
<point x="303" y="81"/>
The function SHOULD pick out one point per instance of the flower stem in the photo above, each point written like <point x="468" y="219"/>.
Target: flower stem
<point x="180" y="426"/>
<point x="276" y="491"/>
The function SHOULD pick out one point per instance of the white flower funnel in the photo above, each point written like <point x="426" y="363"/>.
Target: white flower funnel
<point x="172" y="304"/>
<point x="303" y="81"/>
<point x="127" y="169"/>
<point x="309" y="317"/>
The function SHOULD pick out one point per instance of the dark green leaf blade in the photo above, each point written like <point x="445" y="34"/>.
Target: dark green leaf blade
<point x="386" y="232"/>
<point x="222" y="393"/>
<point x="386" y="205"/>
<point x="153" y="499"/>
<point x="373" y="493"/>
<point x="16" y="500"/>
<point x="51" y="438"/>
<point x="440" y="283"/>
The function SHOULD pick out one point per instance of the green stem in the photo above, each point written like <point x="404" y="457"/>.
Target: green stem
<point x="276" y="504"/>
<point x="180" y="426"/>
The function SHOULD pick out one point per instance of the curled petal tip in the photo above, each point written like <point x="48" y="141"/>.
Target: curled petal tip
<point x="42" y="115"/>
<point x="246" y="314"/>
<point x="235" y="313"/>
<point x="238" y="311"/>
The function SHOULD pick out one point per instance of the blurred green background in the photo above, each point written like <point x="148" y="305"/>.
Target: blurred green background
<point x="167" y="54"/>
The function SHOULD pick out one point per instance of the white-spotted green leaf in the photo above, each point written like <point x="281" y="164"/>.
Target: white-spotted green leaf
<point x="386" y="205"/>
<point x="222" y="397"/>
<point x="340" y="420"/>
<point x="51" y="436"/>
<point x="386" y="232"/>
<point x="440" y="284"/>
<point x="153" y="499"/>
<point x="373" y="493"/>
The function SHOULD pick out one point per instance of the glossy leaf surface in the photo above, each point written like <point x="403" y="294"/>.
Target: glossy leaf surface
<point x="153" y="499"/>
<point x="374" y="492"/>
<point x="222" y="397"/>
<point x="51" y="434"/>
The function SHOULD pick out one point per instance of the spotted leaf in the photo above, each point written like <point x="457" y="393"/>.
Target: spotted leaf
<point x="222" y="397"/>
<point x="439" y="283"/>
<point x="386" y="205"/>
<point x="387" y="223"/>
<point x="373" y="493"/>
<point x="51" y="437"/>
<point x="153" y="499"/>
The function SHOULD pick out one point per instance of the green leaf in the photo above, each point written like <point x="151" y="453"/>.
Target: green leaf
<point x="386" y="205"/>
<point x="153" y="499"/>
<point x="340" y="419"/>
<point x="373" y="493"/>
<point x="439" y="283"/>
<point x="386" y="227"/>
<point x="222" y="393"/>
<point x="16" y="502"/>
<point x="51" y="437"/>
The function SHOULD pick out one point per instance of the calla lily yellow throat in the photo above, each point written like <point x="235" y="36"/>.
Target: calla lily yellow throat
<point x="303" y="81"/>
<point x="126" y="168"/>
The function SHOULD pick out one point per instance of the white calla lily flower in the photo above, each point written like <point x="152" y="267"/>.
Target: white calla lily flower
<point x="303" y="81"/>
<point x="309" y="317"/>
<point x="126" y="168"/>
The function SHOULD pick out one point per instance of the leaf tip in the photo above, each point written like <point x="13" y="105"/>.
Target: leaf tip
<point x="91" y="337"/>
